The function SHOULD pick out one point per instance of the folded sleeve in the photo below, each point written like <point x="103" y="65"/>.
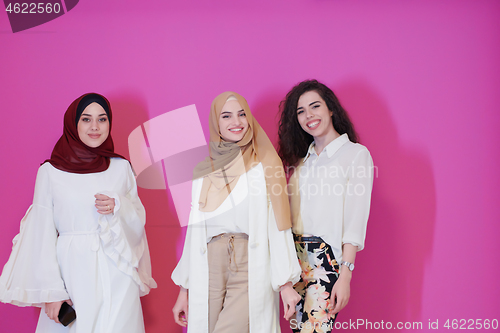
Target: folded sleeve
<point x="284" y="263"/>
<point x="357" y="199"/>
<point x="123" y="237"/>
<point x="32" y="275"/>
<point x="180" y="275"/>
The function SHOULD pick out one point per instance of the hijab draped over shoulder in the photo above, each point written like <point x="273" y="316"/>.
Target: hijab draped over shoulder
<point x="70" y="154"/>
<point x="228" y="161"/>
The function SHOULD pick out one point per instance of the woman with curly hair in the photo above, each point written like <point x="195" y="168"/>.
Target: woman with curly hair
<point x="330" y="189"/>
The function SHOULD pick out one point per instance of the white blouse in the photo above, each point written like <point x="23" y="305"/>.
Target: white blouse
<point x="335" y="191"/>
<point x="232" y="215"/>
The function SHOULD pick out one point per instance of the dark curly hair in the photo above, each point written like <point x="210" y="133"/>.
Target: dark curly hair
<point x="293" y="140"/>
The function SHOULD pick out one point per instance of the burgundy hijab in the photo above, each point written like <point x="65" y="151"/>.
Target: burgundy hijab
<point x="70" y="154"/>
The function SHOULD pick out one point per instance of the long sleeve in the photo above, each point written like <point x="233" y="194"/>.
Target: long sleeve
<point x="180" y="275"/>
<point x="32" y="275"/>
<point x="284" y="263"/>
<point x="357" y="199"/>
<point x="123" y="237"/>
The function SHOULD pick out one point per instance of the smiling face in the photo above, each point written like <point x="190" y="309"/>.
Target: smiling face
<point x="233" y="123"/>
<point x="313" y="115"/>
<point x="93" y="126"/>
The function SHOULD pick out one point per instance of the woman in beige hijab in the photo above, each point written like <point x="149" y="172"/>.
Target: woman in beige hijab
<point x="239" y="250"/>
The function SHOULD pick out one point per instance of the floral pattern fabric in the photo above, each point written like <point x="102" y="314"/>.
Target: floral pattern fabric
<point x="320" y="271"/>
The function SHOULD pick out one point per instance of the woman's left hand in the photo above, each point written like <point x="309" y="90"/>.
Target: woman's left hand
<point x="104" y="204"/>
<point x="341" y="292"/>
<point x="290" y="299"/>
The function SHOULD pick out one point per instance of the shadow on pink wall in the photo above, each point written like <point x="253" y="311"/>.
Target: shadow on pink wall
<point x="389" y="280"/>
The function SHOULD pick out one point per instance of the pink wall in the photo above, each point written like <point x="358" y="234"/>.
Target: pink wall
<point x="419" y="78"/>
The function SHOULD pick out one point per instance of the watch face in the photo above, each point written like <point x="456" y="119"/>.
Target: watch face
<point x="349" y="265"/>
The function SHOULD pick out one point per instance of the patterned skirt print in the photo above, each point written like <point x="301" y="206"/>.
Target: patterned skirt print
<point x="320" y="271"/>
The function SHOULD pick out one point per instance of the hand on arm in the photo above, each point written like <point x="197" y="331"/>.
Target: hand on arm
<point x="180" y="309"/>
<point x="104" y="204"/>
<point x="342" y="288"/>
<point x="290" y="299"/>
<point x="52" y="309"/>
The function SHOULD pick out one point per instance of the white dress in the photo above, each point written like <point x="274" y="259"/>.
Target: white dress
<point x="66" y="250"/>
<point x="272" y="260"/>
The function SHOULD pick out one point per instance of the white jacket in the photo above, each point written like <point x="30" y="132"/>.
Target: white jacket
<point x="272" y="260"/>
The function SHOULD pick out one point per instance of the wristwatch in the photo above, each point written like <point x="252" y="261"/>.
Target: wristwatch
<point x="348" y="264"/>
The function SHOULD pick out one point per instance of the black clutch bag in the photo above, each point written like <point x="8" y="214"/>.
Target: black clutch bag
<point x="67" y="314"/>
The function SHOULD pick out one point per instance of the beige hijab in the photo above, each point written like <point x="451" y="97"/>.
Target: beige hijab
<point x="293" y="190"/>
<point x="228" y="161"/>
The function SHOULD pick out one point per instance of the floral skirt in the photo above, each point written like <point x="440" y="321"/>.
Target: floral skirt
<point x="320" y="271"/>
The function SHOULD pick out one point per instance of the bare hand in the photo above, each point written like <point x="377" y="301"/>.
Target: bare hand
<point x="180" y="309"/>
<point x="104" y="204"/>
<point x="290" y="299"/>
<point x="341" y="293"/>
<point x="52" y="309"/>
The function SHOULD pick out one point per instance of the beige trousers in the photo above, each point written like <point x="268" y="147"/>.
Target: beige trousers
<point x="228" y="284"/>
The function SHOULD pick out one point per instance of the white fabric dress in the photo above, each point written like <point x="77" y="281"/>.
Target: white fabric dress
<point x="66" y="250"/>
<point x="272" y="260"/>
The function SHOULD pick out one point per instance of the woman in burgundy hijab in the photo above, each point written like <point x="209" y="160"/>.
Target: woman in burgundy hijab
<point x="82" y="241"/>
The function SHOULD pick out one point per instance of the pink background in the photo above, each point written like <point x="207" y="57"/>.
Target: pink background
<point x="420" y="80"/>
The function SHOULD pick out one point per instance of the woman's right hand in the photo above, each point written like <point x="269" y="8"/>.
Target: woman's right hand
<point x="52" y="309"/>
<point x="180" y="309"/>
<point x="290" y="299"/>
